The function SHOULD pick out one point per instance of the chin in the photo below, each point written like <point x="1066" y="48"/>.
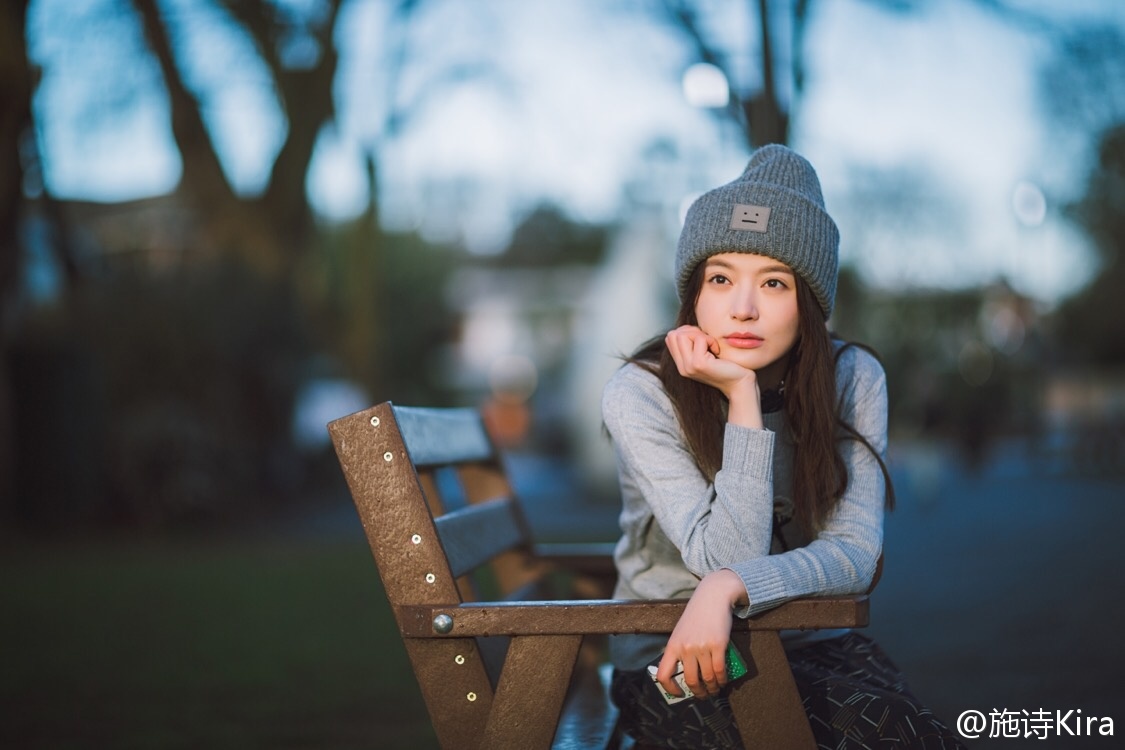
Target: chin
<point x="753" y="361"/>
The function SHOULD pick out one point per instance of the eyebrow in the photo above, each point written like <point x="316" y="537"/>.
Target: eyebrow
<point x="775" y="268"/>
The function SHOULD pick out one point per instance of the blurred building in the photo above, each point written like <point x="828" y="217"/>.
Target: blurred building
<point x="516" y="331"/>
<point x="630" y="300"/>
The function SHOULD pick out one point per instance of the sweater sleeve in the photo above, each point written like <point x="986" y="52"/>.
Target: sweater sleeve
<point x="843" y="557"/>
<point x="712" y="525"/>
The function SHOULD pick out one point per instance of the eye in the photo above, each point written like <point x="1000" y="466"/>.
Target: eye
<point x="717" y="278"/>
<point x="775" y="284"/>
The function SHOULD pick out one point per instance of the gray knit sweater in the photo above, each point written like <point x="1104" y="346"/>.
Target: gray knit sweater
<point x="677" y="526"/>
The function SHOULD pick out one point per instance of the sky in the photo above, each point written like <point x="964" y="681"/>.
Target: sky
<point x="572" y="98"/>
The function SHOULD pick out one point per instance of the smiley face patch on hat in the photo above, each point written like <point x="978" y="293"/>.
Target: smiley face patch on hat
<point x="750" y="218"/>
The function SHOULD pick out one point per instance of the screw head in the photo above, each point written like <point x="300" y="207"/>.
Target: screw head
<point x="443" y="624"/>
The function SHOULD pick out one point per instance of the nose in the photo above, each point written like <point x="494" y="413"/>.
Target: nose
<point x="744" y="305"/>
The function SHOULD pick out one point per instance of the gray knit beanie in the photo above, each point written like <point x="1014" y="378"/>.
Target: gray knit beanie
<point x="775" y="209"/>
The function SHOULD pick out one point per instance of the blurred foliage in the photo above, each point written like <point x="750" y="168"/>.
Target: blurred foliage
<point x="963" y="365"/>
<point x="380" y="307"/>
<point x="548" y="237"/>
<point x="163" y="396"/>
<point x="165" y="399"/>
<point x="159" y="399"/>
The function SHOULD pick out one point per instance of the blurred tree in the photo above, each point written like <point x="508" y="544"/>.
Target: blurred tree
<point x="383" y="312"/>
<point x="548" y="237"/>
<point x="762" y="99"/>
<point x="1080" y="89"/>
<point x="1082" y="95"/>
<point x="758" y="109"/>
<point x="15" y="123"/>
<point x="16" y="87"/>
<point x="270" y="231"/>
<point x="1091" y="320"/>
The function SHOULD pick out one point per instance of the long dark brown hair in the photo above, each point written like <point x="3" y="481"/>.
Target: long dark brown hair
<point x="812" y="407"/>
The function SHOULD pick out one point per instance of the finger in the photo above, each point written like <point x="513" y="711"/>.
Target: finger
<point x="686" y="351"/>
<point x="694" y="677"/>
<point x="712" y="345"/>
<point x="709" y="679"/>
<point x="701" y="346"/>
<point x="665" y="672"/>
<point x="676" y="349"/>
<point x="683" y="333"/>
<point x="693" y="356"/>
<point x="719" y="664"/>
<point x="706" y="674"/>
<point x="675" y="341"/>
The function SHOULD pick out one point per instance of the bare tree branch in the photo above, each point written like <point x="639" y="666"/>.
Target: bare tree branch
<point x="306" y="95"/>
<point x="684" y="18"/>
<point x="272" y="231"/>
<point x="202" y="170"/>
<point x="759" y="114"/>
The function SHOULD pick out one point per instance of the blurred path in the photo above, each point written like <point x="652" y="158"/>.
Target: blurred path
<point x="1003" y="589"/>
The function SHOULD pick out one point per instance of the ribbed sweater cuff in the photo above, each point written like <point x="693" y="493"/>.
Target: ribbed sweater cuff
<point x="764" y="586"/>
<point x="748" y="450"/>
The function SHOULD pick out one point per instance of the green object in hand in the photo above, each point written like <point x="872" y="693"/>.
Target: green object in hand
<point x="736" y="667"/>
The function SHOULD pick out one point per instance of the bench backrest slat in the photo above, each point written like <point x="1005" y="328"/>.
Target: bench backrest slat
<point x="459" y="469"/>
<point x="436" y="437"/>
<point x="478" y="533"/>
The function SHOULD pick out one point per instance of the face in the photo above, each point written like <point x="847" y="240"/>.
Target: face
<point x="748" y="303"/>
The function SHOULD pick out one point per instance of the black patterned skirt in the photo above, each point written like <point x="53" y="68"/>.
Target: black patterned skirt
<point x="854" y="695"/>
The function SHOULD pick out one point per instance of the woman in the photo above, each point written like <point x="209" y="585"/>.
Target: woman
<point x="750" y="453"/>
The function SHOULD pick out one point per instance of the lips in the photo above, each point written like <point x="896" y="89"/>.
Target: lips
<point x="744" y="340"/>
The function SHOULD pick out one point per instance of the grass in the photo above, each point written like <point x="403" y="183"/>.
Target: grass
<point x="129" y="643"/>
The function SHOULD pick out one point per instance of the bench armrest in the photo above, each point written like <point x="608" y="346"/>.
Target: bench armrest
<point x="585" y="617"/>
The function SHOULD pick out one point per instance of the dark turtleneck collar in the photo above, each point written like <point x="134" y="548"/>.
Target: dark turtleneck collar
<point x="773" y="399"/>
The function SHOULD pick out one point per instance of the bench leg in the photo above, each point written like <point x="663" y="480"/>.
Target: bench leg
<point x="455" y="685"/>
<point x="768" y="711"/>
<point x="529" y="699"/>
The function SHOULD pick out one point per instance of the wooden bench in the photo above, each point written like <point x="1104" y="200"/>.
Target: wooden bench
<point x="492" y="646"/>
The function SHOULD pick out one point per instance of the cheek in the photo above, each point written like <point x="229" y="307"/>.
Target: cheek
<point x="790" y="322"/>
<point x="705" y="312"/>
